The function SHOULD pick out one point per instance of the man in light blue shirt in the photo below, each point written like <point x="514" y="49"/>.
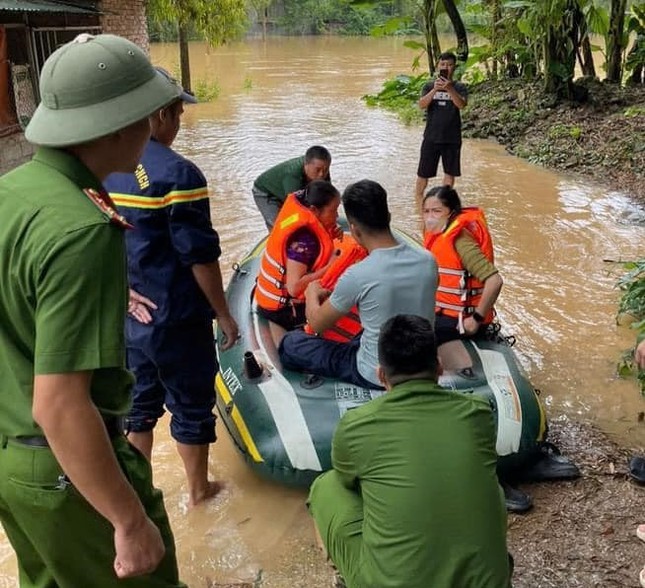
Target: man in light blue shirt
<point x="395" y="278"/>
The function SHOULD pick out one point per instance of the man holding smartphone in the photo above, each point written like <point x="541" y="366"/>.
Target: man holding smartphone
<point x="443" y="99"/>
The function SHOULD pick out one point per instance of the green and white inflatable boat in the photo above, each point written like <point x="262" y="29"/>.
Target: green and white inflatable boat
<point x="283" y="421"/>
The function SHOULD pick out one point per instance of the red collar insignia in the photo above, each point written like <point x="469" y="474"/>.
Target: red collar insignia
<point x="105" y="204"/>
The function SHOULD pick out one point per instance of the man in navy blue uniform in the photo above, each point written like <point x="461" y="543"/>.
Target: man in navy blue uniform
<point x="175" y="291"/>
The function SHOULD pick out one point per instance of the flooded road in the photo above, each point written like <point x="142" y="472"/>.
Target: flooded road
<point x="552" y="233"/>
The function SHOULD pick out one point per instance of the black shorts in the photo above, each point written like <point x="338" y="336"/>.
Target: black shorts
<point x="446" y="328"/>
<point x="450" y="154"/>
<point x="289" y="317"/>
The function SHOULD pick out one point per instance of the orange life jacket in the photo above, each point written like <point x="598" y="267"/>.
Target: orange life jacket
<point x="348" y="252"/>
<point x="459" y="292"/>
<point x="271" y="288"/>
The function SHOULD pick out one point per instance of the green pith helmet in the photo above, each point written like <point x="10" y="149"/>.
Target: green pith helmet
<point x="94" y="86"/>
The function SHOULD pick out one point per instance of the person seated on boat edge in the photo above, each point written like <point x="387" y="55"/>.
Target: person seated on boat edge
<point x="298" y="251"/>
<point x="348" y="326"/>
<point x="271" y="188"/>
<point x="394" y="278"/>
<point x="469" y="282"/>
<point x="413" y="500"/>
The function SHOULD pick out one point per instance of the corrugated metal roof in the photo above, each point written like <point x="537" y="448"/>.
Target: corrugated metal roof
<point x="44" y="6"/>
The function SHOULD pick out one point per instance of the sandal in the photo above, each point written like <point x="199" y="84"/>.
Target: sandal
<point x="640" y="532"/>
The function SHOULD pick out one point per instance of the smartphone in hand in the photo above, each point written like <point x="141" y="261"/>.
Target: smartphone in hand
<point x="443" y="73"/>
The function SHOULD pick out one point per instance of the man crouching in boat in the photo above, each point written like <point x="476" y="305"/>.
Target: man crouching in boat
<point x="394" y="278"/>
<point x="298" y="251"/>
<point x="413" y="499"/>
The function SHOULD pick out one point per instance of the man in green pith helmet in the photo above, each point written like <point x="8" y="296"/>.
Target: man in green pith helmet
<point x="76" y="500"/>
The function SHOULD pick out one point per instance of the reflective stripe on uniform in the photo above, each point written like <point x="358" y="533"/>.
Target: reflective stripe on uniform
<point x="154" y="202"/>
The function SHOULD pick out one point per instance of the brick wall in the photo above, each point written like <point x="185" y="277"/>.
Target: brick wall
<point x="121" y="17"/>
<point x="126" y="18"/>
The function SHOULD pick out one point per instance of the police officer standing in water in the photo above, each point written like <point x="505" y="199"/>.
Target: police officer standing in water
<point x="76" y="500"/>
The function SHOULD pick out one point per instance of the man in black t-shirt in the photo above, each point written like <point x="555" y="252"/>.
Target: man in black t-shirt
<point x="443" y="99"/>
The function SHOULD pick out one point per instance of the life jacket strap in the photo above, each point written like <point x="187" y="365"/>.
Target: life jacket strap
<point x="455" y="307"/>
<point x="275" y="264"/>
<point x="452" y="272"/>
<point x="277" y="283"/>
<point x="272" y="296"/>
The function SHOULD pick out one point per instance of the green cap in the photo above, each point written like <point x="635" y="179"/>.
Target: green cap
<point x="94" y="86"/>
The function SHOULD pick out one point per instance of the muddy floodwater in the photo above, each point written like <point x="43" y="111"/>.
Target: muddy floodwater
<point x="557" y="239"/>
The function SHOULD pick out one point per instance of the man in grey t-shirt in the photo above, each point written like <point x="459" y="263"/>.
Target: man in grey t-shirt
<point x="395" y="278"/>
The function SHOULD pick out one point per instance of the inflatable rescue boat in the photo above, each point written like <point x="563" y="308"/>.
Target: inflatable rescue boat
<point x="283" y="421"/>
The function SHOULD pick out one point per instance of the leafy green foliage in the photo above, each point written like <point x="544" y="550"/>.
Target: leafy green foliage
<point x="216" y="20"/>
<point x="561" y="131"/>
<point x="632" y="286"/>
<point x="632" y="304"/>
<point x="635" y="61"/>
<point x="307" y="17"/>
<point x="400" y="95"/>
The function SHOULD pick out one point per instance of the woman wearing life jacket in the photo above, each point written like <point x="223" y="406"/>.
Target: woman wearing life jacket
<point x="469" y="282"/>
<point x="298" y="251"/>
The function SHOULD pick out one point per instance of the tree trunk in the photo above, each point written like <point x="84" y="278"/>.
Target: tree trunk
<point x="586" y="57"/>
<point x="184" y="57"/>
<point x="436" y="44"/>
<point x="637" y="76"/>
<point x="433" y="47"/>
<point x="460" y="29"/>
<point x="265" y="15"/>
<point x="560" y="50"/>
<point x="615" y="41"/>
<point x="496" y="17"/>
<point x="587" y="65"/>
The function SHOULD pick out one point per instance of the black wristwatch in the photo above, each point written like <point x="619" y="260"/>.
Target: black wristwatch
<point x="478" y="317"/>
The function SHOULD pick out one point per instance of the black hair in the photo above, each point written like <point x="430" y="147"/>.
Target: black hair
<point x="448" y="55"/>
<point x="407" y="346"/>
<point x="319" y="193"/>
<point x="317" y="152"/>
<point x="448" y="196"/>
<point x="365" y="204"/>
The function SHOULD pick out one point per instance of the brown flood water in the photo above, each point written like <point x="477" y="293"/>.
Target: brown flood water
<point x="552" y="233"/>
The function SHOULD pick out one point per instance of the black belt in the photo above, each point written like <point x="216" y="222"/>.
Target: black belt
<point x="113" y="426"/>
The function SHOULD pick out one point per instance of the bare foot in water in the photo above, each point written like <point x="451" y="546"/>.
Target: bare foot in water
<point x="212" y="489"/>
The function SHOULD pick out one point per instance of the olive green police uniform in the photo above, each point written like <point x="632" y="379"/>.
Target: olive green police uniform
<point x="63" y="300"/>
<point x="413" y="500"/>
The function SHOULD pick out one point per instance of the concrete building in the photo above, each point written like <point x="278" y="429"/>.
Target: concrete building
<point x="30" y="30"/>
